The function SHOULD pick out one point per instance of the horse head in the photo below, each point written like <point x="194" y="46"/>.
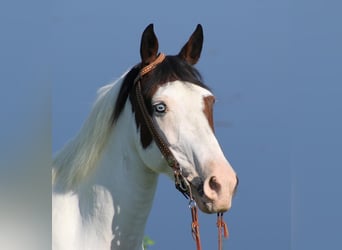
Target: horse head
<point x="181" y="108"/>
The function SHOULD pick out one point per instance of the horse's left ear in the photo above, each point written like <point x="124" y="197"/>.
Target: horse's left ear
<point x="149" y="46"/>
<point x="191" y="51"/>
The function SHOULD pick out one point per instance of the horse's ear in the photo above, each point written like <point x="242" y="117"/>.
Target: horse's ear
<point x="191" y="51"/>
<point x="148" y="46"/>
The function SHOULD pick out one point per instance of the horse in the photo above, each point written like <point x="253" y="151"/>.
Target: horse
<point x="105" y="178"/>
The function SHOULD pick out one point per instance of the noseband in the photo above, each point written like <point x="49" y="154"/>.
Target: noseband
<point x="181" y="183"/>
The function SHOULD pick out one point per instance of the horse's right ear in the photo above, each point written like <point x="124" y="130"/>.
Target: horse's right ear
<point x="148" y="46"/>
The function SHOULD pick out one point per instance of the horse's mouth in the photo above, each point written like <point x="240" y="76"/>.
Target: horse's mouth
<point x="203" y="202"/>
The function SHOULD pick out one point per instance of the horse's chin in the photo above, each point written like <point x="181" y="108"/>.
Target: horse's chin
<point x="208" y="206"/>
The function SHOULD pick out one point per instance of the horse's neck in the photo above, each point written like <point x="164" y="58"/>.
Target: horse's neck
<point x="102" y="191"/>
<point x="131" y="187"/>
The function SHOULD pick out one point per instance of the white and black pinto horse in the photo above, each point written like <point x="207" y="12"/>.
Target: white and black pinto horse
<point x="105" y="178"/>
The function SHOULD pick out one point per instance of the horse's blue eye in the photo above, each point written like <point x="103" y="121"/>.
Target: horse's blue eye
<point x="160" y="107"/>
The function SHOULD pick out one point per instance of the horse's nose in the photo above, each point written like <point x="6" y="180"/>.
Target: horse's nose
<point x="220" y="189"/>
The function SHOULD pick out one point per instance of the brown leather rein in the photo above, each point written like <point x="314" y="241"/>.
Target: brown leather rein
<point x="181" y="183"/>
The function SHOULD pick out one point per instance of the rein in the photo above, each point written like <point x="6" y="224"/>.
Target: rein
<point x="181" y="183"/>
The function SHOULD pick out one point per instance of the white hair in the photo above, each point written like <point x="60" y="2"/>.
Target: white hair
<point x="79" y="156"/>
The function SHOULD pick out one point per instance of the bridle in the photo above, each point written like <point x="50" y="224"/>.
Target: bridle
<point x="181" y="183"/>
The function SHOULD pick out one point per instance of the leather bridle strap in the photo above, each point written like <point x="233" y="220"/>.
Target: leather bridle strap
<point x="195" y="224"/>
<point x="222" y="229"/>
<point x="181" y="182"/>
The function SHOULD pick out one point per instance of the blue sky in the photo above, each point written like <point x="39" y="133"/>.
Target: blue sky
<point x="274" y="66"/>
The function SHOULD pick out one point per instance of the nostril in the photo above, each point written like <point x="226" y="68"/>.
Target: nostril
<point x="211" y="188"/>
<point x="214" y="185"/>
